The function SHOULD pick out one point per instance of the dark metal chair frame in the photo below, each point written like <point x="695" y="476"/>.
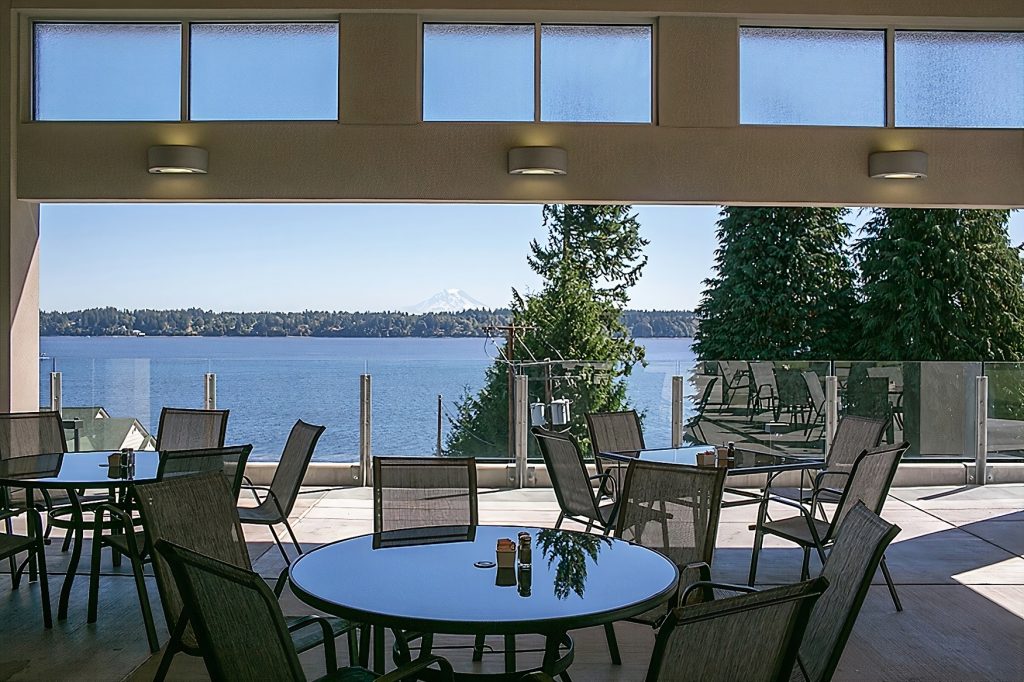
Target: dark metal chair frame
<point x="701" y="564"/>
<point x="820" y="541"/>
<point x="171" y="412"/>
<point x="11" y="545"/>
<point x="594" y="420"/>
<point x="693" y="423"/>
<point x="748" y="601"/>
<point x="592" y="514"/>
<point x="135" y="544"/>
<point x="184" y="564"/>
<point x="279" y="497"/>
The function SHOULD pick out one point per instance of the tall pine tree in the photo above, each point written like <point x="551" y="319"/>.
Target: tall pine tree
<point x="940" y="284"/>
<point x="592" y="256"/>
<point x="782" y="288"/>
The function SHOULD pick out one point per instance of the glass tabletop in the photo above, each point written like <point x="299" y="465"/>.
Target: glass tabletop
<point x="413" y="580"/>
<point x="76" y="470"/>
<point x="745" y="461"/>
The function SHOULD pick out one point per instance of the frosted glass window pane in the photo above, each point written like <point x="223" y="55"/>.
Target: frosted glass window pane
<point x="107" y="72"/>
<point x="792" y="76"/>
<point x="477" y="72"/>
<point x="959" y="79"/>
<point x="266" y="72"/>
<point x="595" y="73"/>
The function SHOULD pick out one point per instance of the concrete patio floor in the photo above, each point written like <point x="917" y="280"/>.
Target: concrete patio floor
<point x="958" y="563"/>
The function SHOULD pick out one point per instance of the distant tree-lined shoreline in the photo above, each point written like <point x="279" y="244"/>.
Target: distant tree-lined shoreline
<point x="112" y="321"/>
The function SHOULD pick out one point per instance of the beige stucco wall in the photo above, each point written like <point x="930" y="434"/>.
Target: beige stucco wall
<point x="379" y="151"/>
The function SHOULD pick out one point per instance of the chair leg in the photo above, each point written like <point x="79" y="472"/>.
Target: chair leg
<point x="479" y="642"/>
<point x="353" y="647"/>
<point x="364" y="646"/>
<point x="613" y="643"/>
<point x="67" y="541"/>
<point x="94" y="579"/>
<point x="758" y="540"/>
<point x="9" y="527"/>
<point x="280" y="546"/>
<point x="805" y="568"/>
<point x="44" y="585"/>
<point x="558" y="523"/>
<point x="291" y="533"/>
<point x="892" y="586"/>
<point x="147" y="611"/>
<point x="172" y="649"/>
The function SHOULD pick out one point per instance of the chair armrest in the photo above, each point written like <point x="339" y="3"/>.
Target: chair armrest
<point x="826" y="472"/>
<point x="327" y="633"/>
<point x="12" y="512"/>
<point x="696" y="572"/>
<point x="282" y="580"/>
<point x="708" y="585"/>
<point x="788" y="503"/>
<point x="126" y="520"/>
<point x="606" y="479"/>
<point x="421" y="663"/>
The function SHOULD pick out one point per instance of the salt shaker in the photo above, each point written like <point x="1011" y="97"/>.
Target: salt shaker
<point x="525" y="550"/>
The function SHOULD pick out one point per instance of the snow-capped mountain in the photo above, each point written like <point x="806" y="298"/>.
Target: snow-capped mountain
<point x="447" y="301"/>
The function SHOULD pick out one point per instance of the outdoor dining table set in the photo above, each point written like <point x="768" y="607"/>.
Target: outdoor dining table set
<point x="430" y="567"/>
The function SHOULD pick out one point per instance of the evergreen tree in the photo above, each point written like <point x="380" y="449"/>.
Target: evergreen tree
<point x="592" y="256"/>
<point x="783" y="286"/>
<point x="940" y="284"/>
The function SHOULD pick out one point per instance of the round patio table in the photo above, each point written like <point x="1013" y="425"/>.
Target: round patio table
<point x="70" y="472"/>
<point x="439" y="581"/>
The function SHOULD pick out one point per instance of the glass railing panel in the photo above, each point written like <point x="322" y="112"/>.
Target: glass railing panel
<point x="1005" y="409"/>
<point x="649" y="389"/>
<point x="760" y="405"/>
<point x="113" y="389"/>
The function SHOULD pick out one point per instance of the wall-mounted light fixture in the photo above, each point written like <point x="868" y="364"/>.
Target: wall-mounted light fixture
<point x="538" y="161"/>
<point x="174" y="158"/>
<point x="907" y="165"/>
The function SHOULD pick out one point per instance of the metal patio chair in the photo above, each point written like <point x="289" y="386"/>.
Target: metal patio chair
<point x="169" y="512"/>
<point x="851" y="564"/>
<point x="437" y="494"/>
<point x="614" y="432"/>
<point x="279" y="498"/>
<point x="573" y="484"/>
<point x="735" y="375"/>
<point x="131" y="538"/>
<point x="816" y="394"/>
<point x="763" y="393"/>
<point x="868" y="482"/>
<point x="693" y="423"/>
<point x="853" y="436"/>
<point x="32" y="544"/>
<point x="673" y="510"/>
<point x="188" y="429"/>
<point x="239" y="628"/>
<point x="752" y="637"/>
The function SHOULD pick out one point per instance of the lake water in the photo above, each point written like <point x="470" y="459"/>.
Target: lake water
<point x="268" y="383"/>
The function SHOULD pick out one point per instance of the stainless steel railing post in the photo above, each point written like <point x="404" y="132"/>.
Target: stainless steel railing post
<point x="365" y="429"/>
<point x="831" y="409"/>
<point x="678" y="423"/>
<point x="56" y="392"/>
<point x="209" y="391"/>
<point x="981" y="431"/>
<point x="521" y="398"/>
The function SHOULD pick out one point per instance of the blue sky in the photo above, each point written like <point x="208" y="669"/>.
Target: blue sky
<point x="336" y="256"/>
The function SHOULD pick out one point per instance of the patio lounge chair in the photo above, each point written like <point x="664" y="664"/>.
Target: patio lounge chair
<point x="134" y="542"/>
<point x="764" y="392"/>
<point x="279" y="498"/>
<point x="673" y="510"/>
<point x="239" y="628"/>
<point x="572" y="482"/>
<point x="867" y="482"/>
<point x="693" y="423"/>
<point x="169" y="513"/>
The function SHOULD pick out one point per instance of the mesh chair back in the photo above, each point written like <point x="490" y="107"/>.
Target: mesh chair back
<point x="672" y="509"/>
<point x="568" y="473"/>
<point x="291" y="469"/>
<point x="419" y="492"/>
<point x="228" y="461"/>
<point x="237" y="621"/>
<point x="815" y="391"/>
<point x="752" y="637"/>
<point x="869" y="481"/>
<point x="23" y="434"/>
<point x="763" y="374"/>
<point x="860" y="543"/>
<point x="615" y="431"/>
<point x="197" y="512"/>
<point x="185" y="429"/>
<point x="853" y="436"/>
